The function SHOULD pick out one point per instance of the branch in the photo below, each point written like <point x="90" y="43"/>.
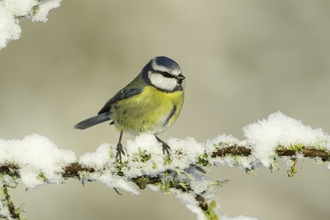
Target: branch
<point x="183" y="174"/>
<point x="307" y="152"/>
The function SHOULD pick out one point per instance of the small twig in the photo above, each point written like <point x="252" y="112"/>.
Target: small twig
<point x="10" y="204"/>
<point x="306" y="152"/>
<point x="233" y="150"/>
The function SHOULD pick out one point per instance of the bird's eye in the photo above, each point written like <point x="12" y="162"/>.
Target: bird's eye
<point x="166" y="74"/>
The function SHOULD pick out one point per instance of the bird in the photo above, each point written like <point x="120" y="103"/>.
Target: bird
<point x="150" y="103"/>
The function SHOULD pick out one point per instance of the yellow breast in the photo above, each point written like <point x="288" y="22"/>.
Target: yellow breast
<point x="152" y="111"/>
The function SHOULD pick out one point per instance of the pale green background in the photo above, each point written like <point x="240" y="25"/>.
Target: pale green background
<point x="243" y="60"/>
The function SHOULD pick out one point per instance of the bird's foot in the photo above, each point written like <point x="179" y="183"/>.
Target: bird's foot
<point x="120" y="152"/>
<point x="166" y="148"/>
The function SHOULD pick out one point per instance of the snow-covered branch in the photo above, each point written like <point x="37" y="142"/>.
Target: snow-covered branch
<point x="37" y="161"/>
<point x="11" y="11"/>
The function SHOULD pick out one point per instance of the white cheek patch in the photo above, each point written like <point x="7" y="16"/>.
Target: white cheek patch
<point x="159" y="81"/>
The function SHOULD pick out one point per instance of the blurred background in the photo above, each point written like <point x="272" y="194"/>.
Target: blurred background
<point x="243" y="60"/>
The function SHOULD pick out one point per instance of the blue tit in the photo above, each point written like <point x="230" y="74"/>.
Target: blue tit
<point x="149" y="104"/>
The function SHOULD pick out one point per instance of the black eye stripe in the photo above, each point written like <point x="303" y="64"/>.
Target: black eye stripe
<point x="165" y="74"/>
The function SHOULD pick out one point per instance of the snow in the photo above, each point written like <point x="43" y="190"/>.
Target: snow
<point x="280" y="130"/>
<point x="97" y="159"/>
<point x="103" y="162"/>
<point x="11" y="11"/>
<point x="189" y="150"/>
<point x="145" y="158"/>
<point x="241" y="217"/>
<point x="44" y="7"/>
<point x="37" y="157"/>
<point x="9" y="29"/>
<point x="183" y="153"/>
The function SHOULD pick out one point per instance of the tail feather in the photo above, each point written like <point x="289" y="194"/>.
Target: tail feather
<point x="93" y="121"/>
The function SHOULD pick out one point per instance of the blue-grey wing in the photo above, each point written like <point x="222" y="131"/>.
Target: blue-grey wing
<point x="122" y="94"/>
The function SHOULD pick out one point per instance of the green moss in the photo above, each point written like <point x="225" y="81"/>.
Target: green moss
<point x="144" y="156"/>
<point x="217" y="183"/>
<point x="111" y="154"/>
<point x="42" y="177"/>
<point x="274" y="165"/>
<point x="209" y="213"/>
<point x="141" y="182"/>
<point x="154" y="165"/>
<point x="250" y="170"/>
<point x="120" y="168"/>
<point x="203" y="160"/>
<point x="167" y="161"/>
<point x="292" y="171"/>
<point x="164" y="186"/>
<point x="296" y="147"/>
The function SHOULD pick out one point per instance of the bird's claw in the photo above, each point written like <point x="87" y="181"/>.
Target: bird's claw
<point x="120" y="152"/>
<point x="166" y="148"/>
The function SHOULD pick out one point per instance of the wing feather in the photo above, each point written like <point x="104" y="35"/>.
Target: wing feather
<point x="122" y="94"/>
